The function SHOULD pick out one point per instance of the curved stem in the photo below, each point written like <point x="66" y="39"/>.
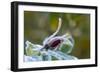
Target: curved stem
<point x="59" y="26"/>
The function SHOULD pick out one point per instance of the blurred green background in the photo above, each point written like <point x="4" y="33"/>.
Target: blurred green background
<point x="39" y="25"/>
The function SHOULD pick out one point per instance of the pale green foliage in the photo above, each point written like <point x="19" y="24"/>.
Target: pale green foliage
<point x="33" y="53"/>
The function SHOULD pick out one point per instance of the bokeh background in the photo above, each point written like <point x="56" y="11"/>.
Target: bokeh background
<point x="39" y="25"/>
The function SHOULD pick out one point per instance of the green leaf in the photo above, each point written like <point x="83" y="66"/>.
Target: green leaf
<point x="31" y="49"/>
<point x="65" y="48"/>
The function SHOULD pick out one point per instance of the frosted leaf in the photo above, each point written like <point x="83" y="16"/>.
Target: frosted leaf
<point x="32" y="58"/>
<point x="32" y="49"/>
<point x="68" y="44"/>
<point x="55" y="54"/>
<point x="33" y="46"/>
<point x="34" y="53"/>
<point x="46" y="57"/>
<point x="61" y="56"/>
<point x="66" y="56"/>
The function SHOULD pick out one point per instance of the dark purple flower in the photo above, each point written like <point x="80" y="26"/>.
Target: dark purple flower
<point x="55" y="43"/>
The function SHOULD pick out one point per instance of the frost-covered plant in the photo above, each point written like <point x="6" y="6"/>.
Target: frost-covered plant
<point x="51" y="48"/>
